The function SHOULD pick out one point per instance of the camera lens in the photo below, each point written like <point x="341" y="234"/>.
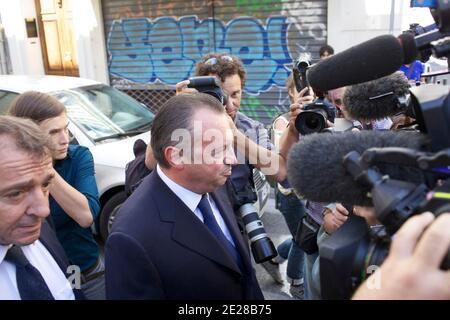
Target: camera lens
<point x="311" y="121"/>
<point x="262" y="247"/>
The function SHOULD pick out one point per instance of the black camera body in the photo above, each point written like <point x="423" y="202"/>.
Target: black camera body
<point x="355" y="250"/>
<point x="314" y="117"/>
<point x="209" y="85"/>
<point x="299" y="72"/>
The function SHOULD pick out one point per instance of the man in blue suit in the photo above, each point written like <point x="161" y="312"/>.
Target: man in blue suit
<point x="33" y="265"/>
<point x="176" y="237"/>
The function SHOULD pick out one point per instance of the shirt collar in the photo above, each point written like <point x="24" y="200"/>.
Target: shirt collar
<point x="190" y="199"/>
<point x="3" y="251"/>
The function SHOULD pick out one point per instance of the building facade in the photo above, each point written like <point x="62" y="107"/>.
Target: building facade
<point x="146" y="47"/>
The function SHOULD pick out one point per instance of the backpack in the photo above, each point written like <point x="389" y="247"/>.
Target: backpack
<point x="136" y="170"/>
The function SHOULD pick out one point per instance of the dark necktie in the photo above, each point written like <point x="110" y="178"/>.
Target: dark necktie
<point x="213" y="226"/>
<point x="30" y="282"/>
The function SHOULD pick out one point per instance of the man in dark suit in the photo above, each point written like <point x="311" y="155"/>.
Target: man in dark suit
<point x="33" y="265"/>
<point x="176" y="237"/>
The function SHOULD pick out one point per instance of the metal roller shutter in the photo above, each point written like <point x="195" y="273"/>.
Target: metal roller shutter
<point x="154" y="44"/>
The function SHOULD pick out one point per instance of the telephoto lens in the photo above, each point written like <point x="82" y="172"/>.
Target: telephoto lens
<point x="262" y="247"/>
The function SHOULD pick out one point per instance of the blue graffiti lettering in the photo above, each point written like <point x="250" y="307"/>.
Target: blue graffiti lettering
<point x="167" y="41"/>
<point x="130" y="52"/>
<point x="166" y="49"/>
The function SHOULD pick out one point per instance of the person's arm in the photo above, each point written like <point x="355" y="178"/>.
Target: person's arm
<point x="130" y="273"/>
<point x="79" y="201"/>
<point x="273" y="165"/>
<point x="290" y="135"/>
<point x="269" y="162"/>
<point x="412" y="268"/>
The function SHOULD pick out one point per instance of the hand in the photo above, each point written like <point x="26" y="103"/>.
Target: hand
<point x="303" y="99"/>
<point x="182" y="87"/>
<point x="411" y="270"/>
<point x="294" y="111"/>
<point x="300" y="101"/>
<point x="334" y="219"/>
<point x="367" y="213"/>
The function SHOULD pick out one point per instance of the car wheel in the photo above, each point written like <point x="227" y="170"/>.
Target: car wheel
<point x="109" y="213"/>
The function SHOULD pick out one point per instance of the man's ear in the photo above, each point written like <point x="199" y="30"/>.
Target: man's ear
<point x="174" y="156"/>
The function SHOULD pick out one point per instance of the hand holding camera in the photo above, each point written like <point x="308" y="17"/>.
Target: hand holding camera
<point x="302" y="98"/>
<point x="412" y="268"/>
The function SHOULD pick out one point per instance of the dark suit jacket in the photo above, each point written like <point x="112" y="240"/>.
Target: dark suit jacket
<point x="50" y="241"/>
<point x="159" y="249"/>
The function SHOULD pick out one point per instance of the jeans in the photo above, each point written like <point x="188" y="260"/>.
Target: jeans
<point x="293" y="211"/>
<point x="94" y="289"/>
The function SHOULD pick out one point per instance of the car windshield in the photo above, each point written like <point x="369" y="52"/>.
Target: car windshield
<point x="103" y="112"/>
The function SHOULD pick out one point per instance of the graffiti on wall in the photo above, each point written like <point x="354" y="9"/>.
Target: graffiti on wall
<point x="166" y="49"/>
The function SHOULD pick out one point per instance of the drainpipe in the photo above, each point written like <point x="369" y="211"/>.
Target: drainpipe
<point x="3" y="65"/>
<point x="392" y="20"/>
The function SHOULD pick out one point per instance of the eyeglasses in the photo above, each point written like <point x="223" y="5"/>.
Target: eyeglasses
<point x="212" y="61"/>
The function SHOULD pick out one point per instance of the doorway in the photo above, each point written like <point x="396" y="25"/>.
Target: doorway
<point x="59" y="50"/>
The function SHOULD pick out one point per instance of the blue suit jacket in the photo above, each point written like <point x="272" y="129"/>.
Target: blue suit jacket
<point x="50" y="241"/>
<point x="158" y="249"/>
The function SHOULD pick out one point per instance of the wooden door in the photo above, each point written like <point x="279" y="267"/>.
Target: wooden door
<point x="59" y="50"/>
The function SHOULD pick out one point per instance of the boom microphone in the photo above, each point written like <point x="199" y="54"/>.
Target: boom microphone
<point x="377" y="99"/>
<point x="316" y="171"/>
<point x="367" y="61"/>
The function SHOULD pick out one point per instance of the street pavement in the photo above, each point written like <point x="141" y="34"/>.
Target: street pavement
<point x="278" y="231"/>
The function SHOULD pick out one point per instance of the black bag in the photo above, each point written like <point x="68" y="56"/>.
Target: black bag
<point x="136" y="170"/>
<point x="306" y="236"/>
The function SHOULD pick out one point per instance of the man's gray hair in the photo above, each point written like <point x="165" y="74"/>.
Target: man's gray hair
<point x="26" y="135"/>
<point x="177" y="113"/>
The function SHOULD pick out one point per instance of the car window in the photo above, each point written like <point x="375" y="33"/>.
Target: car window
<point x="5" y="100"/>
<point x="102" y="112"/>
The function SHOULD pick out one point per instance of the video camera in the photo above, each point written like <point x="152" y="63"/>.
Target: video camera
<point x="355" y="250"/>
<point x="314" y="116"/>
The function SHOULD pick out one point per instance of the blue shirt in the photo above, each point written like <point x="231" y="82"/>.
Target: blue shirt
<point x="414" y="71"/>
<point x="77" y="169"/>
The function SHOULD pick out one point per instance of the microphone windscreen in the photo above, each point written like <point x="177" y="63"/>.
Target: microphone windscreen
<point x="316" y="170"/>
<point x="367" y="61"/>
<point x="410" y="51"/>
<point x="376" y="99"/>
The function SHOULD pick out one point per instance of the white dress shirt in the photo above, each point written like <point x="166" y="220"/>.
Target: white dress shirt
<point x="43" y="261"/>
<point x="192" y="199"/>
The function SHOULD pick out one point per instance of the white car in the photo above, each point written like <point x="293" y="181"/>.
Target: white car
<point x="106" y="121"/>
<point x="102" y="118"/>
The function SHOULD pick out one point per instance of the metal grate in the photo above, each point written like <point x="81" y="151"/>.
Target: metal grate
<point x="151" y="95"/>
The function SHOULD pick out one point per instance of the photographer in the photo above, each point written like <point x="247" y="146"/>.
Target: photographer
<point x="293" y="211"/>
<point x="411" y="270"/>
<point x="314" y="210"/>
